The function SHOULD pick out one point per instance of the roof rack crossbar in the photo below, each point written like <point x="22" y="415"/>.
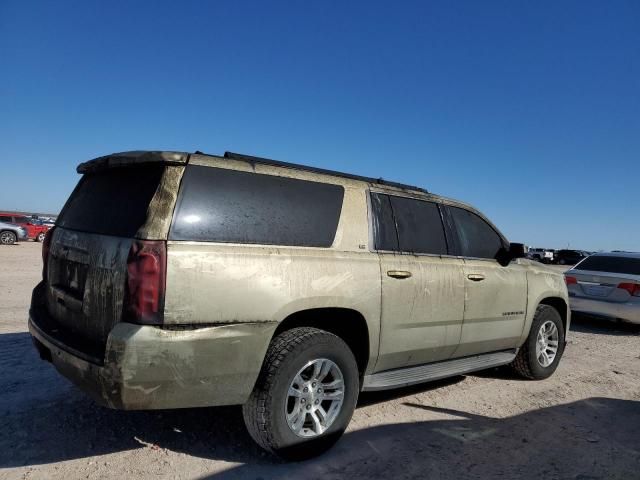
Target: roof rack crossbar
<point x="277" y="163"/>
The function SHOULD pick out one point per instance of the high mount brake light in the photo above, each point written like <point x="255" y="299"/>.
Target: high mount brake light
<point x="146" y="276"/>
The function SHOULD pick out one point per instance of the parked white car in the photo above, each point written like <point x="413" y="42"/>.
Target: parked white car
<point x="606" y="284"/>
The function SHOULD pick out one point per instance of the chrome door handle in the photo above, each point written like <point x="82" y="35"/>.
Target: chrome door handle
<point x="399" y="273"/>
<point x="475" y="277"/>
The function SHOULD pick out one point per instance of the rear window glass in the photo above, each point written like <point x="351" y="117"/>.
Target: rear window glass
<point x="220" y="205"/>
<point x="612" y="264"/>
<point x="112" y="202"/>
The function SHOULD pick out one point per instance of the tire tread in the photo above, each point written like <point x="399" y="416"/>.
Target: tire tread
<point x="255" y="411"/>
<point x="521" y="364"/>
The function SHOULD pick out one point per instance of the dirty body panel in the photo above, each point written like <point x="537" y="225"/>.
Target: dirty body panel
<point x="544" y="285"/>
<point x="148" y="367"/>
<point x="227" y="282"/>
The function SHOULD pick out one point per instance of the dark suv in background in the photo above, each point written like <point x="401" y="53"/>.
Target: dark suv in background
<point x="569" y="257"/>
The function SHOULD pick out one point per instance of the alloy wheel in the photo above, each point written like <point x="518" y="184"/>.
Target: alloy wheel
<point x="7" y="238"/>
<point x="315" y="398"/>
<point x="547" y="343"/>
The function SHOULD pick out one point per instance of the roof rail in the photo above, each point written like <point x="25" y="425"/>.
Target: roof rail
<point x="277" y="163"/>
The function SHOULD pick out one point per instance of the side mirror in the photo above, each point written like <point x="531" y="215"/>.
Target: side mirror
<point x="516" y="250"/>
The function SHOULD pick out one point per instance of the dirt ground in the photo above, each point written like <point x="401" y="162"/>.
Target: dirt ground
<point x="582" y="423"/>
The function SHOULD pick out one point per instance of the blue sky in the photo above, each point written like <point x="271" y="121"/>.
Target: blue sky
<point x="528" y="110"/>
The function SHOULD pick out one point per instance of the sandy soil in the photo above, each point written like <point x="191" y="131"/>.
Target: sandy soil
<point x="583" y="423"/>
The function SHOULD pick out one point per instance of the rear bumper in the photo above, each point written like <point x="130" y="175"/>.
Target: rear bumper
<point x="629" y="312"/>
<point x="147" y="367"/>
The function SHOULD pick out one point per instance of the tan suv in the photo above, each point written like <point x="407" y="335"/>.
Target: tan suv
<point x="177" y="280"/>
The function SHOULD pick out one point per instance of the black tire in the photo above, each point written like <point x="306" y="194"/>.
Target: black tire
<point x="562" y="261"/>
<point x="7" y="237"/>
<point x="40" y="237"/>
<point x="526" y="363"/>
<point x="264" y="412"/>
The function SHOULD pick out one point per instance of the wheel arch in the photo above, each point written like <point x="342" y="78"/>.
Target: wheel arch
<point x="346" y="323"/>
<point x="561" y="306"/>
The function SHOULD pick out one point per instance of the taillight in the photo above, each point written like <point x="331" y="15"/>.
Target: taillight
<point x="146" y="273"/>
<point x="46" y="247"/>
<point x="632" y="288"/>
<point x="570" y="280"/>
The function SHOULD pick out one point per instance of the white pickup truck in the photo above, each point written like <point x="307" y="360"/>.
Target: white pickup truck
<point x="543" y="255"/>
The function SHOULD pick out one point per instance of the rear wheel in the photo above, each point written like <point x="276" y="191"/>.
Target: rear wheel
<point x="539" y="356"/>
<point x="305" y="394"/>
<point x="40" y="237"/>
<point x="8" y="238"/>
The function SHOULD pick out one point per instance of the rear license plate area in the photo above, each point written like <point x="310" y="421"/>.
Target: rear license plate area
<point x="596" y="290"/>
<point x="72" y="277"/>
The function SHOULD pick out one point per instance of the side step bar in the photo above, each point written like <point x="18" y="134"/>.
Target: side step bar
<point x="403" y="377"/>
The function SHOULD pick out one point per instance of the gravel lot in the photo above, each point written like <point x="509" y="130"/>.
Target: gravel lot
<point x="583" y="423"/>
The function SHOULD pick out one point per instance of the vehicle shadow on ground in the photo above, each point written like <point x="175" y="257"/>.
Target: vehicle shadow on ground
<point x="603" y="326"/>
<point x="43" y="420"/>
<point x="589" y="439"/>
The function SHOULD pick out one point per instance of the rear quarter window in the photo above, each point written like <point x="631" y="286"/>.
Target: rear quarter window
<point x="228" y="206"/>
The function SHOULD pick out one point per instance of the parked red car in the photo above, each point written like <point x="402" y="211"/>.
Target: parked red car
<point x="35" y="231"/>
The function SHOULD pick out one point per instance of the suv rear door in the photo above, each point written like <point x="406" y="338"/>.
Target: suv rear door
<point x="422" y="287"/>
<point x="86" y="269"/>
<point x="495" y="296"/>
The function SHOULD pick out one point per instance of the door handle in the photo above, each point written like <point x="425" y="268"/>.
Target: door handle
<point x="399" y="274"/>
<point x="475" y="277"/>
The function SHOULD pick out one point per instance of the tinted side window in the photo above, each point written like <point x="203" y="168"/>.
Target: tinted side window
<point x="477" y="238"/>
<point x="419" y="224"/>
<point x="384" y="226"/>
<point x="6" y="219"/>
<point x="220" y="205"/>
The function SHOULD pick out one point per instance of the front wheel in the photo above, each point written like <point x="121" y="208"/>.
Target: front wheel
<point x="539" y="356"/>
<point x="8" y="238"/>
<point x="305" y="394"/>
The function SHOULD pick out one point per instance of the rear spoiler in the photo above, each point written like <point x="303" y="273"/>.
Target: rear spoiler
<point x="126" y="159"/>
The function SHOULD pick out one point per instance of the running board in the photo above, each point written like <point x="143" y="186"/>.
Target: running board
<point x="403" y="377"/>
